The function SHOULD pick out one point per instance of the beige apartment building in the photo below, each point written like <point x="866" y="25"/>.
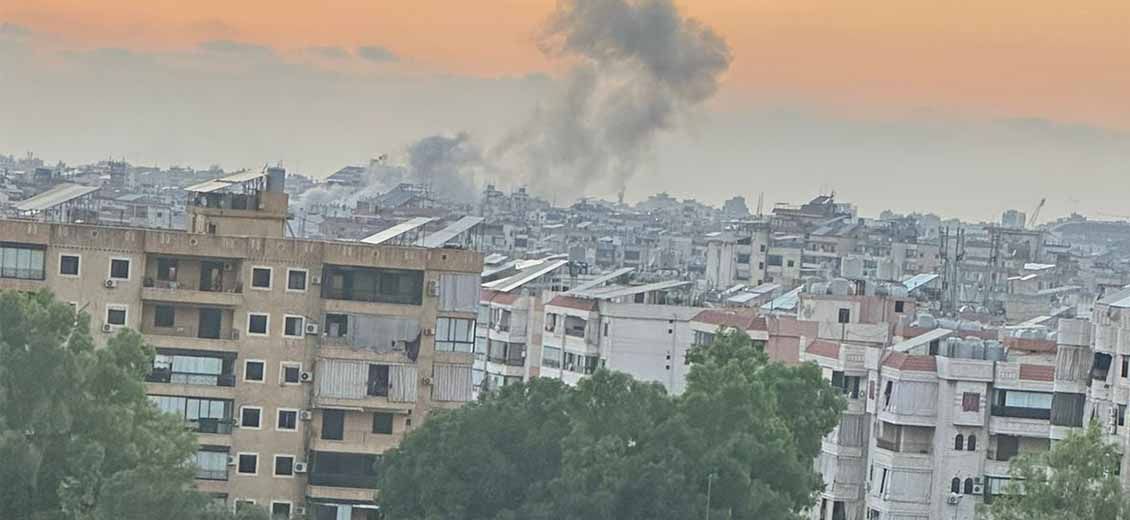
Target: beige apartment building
<point x="297" y="362"/>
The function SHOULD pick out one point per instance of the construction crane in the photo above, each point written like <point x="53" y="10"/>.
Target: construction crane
<point x="1036" y="213"/>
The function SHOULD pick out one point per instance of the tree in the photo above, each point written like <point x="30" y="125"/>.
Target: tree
<point x="78" y="437"/>
<point x="617" y="448"/>
<point x="1077" y="478"/>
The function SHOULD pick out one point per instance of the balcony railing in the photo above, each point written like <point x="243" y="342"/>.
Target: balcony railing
<point x="1021" y="413"/>
<point x="189" y="378"/>
<point x="231" y="287"/>
<point x="210" y="425"/>
<point x="349" y="480"/>
<point x="211" y="474"/>
<point x="191" y="331"/>
<point x="917" y="448"/>
<point x="370" y="296"/>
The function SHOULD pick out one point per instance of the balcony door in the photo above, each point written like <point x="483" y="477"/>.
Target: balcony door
<point x="211" y="276"/>
<point x="210" y="323"/>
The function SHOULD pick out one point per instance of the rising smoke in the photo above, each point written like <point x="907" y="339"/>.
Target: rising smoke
<point x="639" y="67"/>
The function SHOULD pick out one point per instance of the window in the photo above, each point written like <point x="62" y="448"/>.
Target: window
<point x="848" y="385"/>
<point x="455" y="335"/>
<point x="261" y="277"/>
<point x="971" y="402"/>
<point x="845" y="316"/>
<point x="25" y="262"/>
<point x="257" y="323"/>
<point x="253" y="370"/>
<point x="373" y="285"/>
<point x="333" y="425"/>
<point x="774" y="260"/>
<point x="164" y="316"/>
<point x="377" y="384"/>
<point x="201" y="415"/>
<point x="296" y="280"/>
<point x="284" y="465"/>
<point x="248" y="464"/>
<point x="242" y="504"/>
<point x="290" y="373"/>
<point x="1125" y="366"/>
<point x="211" y="464"/>
<point x="167" y="269"/>
<point x="250" y="417"/>
<point x="968" y="486"/>
<point x="294" y="326"/>
<point x="955" y="485"/>
<point x="69" y="265"/>
<point x="550" y="322"/>
<point x="1122" y="415"/>
<point x="791" y="263"/>
<point x="971" y="443"/>
<point x="959" y="442"/>
<point x="900" y="306"/>
<point x="280" y="510"/>
<point x="119" y="268"/>
<point x="551" y="357"/>
<point x="382" y="423"/>
<point x="116" y="315"/>
<point x="287" y="420"/>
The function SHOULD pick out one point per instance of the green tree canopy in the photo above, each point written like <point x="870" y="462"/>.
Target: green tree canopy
<point x="616" y="448"/>
<point x="1078" y="478"/>
<point x="78" y="437"/>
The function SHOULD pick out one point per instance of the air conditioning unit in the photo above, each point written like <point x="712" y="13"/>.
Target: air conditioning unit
<point x="953" y="499"/>
<point x="978" y="489"/>
<point x="429" y="332"/>
<point x="228" y="266"/>
<point x="306" y="415"/>
<point x="231" y="460"/>
<point x="106" y="327"/>
<point x="312" y="328"/>
<point x="300" y="467"/>
<point x="300" y="512"/>
<point x="427" y="380"/>
<point x="316" y="279"/>
<point x="433" y="288"/>
<point x="110" y="284"/>
<point x="306" y="377"/>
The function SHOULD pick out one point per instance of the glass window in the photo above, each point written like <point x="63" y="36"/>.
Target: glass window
<point x="284" y="465"/>
<point x="261" y="277"/>
<point x="287" y="420"/>
<point x="69" y="265"/>
<point x="164" y="316"/>
<point x="296" y="280"/>
<point x="116" y="315"/>
<point x="291" y="373"/>
<point x="248" y="463"/>
<point x="253" y="371"/>
<point x="455" y="335"/>
<point x="257" y="323"/>
<point x="294" y="326"/>
<point x="119" y="268"/>
<point x="333" y="425"/>
<point x="280" y="510"/>
<point x="250" y="416"/>
<point x="23" y="262"/>
<point x="211" y="465"/>
<point x="167" y="269"/>
<point x="382" y="423"/>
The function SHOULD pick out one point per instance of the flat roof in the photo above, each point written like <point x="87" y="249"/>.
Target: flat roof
<point x="385" y="235"/>
<point x="621" y="291"/>
<point x="526" y="276"/>
<point x="225" y="182"/>
<point x="601" y="279"/>
<point x="443" y="236"/>
<point x="921" y="339"/>
<point x="60" y="194"/>
<point x="784" y="302"/>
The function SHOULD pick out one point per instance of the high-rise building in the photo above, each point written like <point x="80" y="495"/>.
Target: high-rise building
<point x="297" y="362"/>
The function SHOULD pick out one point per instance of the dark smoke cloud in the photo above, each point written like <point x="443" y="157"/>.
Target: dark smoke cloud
<point x="447" y="165"/>
<point x="641" y="66"/>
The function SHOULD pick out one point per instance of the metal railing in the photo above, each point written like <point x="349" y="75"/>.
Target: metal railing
<point x="190" y="378"/>
<point x="350" y="480"/>
<point x="211" y="474"/>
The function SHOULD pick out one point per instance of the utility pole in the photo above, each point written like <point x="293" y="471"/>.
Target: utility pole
<point x="709" y="482"/>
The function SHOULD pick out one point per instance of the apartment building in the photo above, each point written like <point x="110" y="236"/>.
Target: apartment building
<point x="297" y="362"/>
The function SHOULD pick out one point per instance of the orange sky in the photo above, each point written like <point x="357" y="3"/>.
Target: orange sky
<point x="1061" y="60"/>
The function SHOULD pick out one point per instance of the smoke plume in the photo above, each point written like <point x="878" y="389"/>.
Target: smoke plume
<point x="640" y="67"/>
<point x="447" y="166"/>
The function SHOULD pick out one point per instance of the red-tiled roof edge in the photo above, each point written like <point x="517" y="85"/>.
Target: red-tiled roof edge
<point x="571" y="302"/>
<point x="823" y="348"/>
<point x="1044" y="373"/>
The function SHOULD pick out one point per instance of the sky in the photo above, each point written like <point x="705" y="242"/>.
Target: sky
<point x="960" y="107"/>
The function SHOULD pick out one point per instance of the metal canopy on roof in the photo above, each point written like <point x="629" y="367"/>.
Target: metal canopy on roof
<point x="526" y="276"/>
<point x="55" y="196"/>
<point x="919" y="280"/>
<point x="923" y="339"/>
<point x="226" y="182"/>
<point x="605" y="278"/>
<point x="784" y="302"/>
<point x="620" y="292"/>
<point x="443" y="236"/>
<point x="397" y="230"/>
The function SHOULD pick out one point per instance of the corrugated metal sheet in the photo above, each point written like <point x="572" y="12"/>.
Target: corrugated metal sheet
<point x="402" y="383"/>
<point x="458" y="292"/>
<point x="342" y="379"/>
<point x="65" y="192"/>
<point x="451" y="383"/>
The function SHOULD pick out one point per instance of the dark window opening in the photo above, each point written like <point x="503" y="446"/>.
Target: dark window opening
<point x="292" y="374"/>
<point x="167" y="269"/>
<point x="292" y="326"/>
<point x="248" y="463"/>
<point x="382" y="423"/>
<point x="955" y="485"/>
<point x="296" y="280"/>
<point x="968" y="486"/>
<point x="378" y="380"/>
<point x="68" y="265"/>
<point x="900" y="306"/>
<point x="970" y="402"/>
<point x="959" y="442"/>
<point x="257" y="323"/>
<point x="1101" y="366"/>
<point x="164" y="316"/>
<point x="373" y="285"/>
<point x="288" y="420"/>
<point x="261" y="277"/>
<point x="845" y="316"/>
<point x="253" y="371"/>
<point x="116" y="316"/>
<point x="250" y="417"/>
<point x="119" y="269"/>
<point x="333" y="425"/>
<point x="284" y="465"/>
<point x="971" y="443"/>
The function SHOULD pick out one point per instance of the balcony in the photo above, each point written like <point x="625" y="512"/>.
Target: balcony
<point x="1021" y="412"/>
<point x="211" y="474"/>
<point x="190" y="378"/>
<point x="211" y="426"/>
<point x="175" y="292"/>
<point x="347" y="480"/>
